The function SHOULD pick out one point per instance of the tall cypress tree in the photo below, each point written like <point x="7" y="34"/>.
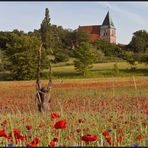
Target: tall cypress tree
<point x="46" y="30"/>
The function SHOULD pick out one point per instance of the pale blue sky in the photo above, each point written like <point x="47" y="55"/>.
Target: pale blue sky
<point x="128" y="17"/>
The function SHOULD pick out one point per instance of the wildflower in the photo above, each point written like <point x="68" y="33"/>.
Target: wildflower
<point x="88" y="138"/>
<point x="18" y="135"/>
<point x="80" y="120"/>
<point x="68" y="137"/>
<point x="31" y="145"/>
<point x="54" y="115"/>
<point x="135" y="145"/>
<point x="28" y="127"/>
<point x="78" y="130"/>
<point x="106" y="133"/>
<point x="119" y="138"/>
<point x="109" y="130"/>
<point x="16" y="131"/>
<point x="120" y="131"/>
<point x="10" y="145"/>
<point x="52" y="143"/>
<point x="108" y="139"/>
<point x="3" y="133"/>
<point x="139" y="137"/>
<point x="36" y="140"/>
<point x="4" y="123"/>
<point x="60" y="124"/>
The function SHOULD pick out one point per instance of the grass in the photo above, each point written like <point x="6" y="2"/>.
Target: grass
<point x="100" y="104"/>
<point x="90" y="106"/>
<point x="99" y="70"/>
<point x="67" y="71"/>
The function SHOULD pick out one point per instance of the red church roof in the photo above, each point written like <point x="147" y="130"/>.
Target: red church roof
<point x="94" y="31"/>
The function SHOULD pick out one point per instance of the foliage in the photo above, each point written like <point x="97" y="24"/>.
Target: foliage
<point x="84" y="57"/>
<point x="23" y="57"/>
<point x="60" y="56"/>
<point x="144" y="58"/>
<point x="131" y="58"/>
<point x="45" y="30"/>
<point x="109" y="49"/>
<point x="116" y="69"/>
<point x="3" y="60"/>
<point x="139" y="42"/>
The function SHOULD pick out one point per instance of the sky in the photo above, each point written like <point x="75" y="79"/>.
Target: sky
<point x="127" y="17"/>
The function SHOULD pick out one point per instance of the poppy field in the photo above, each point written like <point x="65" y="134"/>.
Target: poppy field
<point x="83" y="112"/>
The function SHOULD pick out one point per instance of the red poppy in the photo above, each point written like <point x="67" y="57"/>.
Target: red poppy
<point x="119" y="138"/>
<point x="55" y="139"/>
<point x="106" y="133"/>
<point x="60" y="124"/>
<point x="120" y="131"/>
<point x="54" y="115"/>
<point x="3" y="133"/>
<point x="78" y="130"/>
<point x="139" y="137"/>
<point x="52" y="143"/>
<point x="88" y="138"/>
<point x="31" y="145"/>
<point x="68" y="137"/>
<point x="28" y="127"/>
<point x="108" y="139"/>
<point x="81" y="120"/>
<point x="36" y="140"/>
<point x="18" y="135"/>
<point x="4" y="123"/>
<point x="16" y="131"/>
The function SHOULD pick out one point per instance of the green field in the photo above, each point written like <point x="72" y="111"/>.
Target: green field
<point x="63" y="71"/>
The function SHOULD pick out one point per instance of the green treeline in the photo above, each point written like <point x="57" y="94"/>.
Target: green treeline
<point x="18" y="50"/>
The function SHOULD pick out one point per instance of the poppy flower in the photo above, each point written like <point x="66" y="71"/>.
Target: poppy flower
<point x="68" y="137"/>
<point x="88" y="138"/>
<point x="36" y="140"/>
<point x="16" y="131"/>
<point x="119" y="138"/>
<point x="52" y="143"/>
<point x="78" y="130"/>
<point x="3" y="133"/>
<point x="120" y="131"/>
<point x="54" y="115"/>
<point x="4" y="123"/>
<point x="106" y="133"/>
<point x="80" y="120"/>
<point x="108" y="139"/>
<point x="28" y="127"/>
<point x="31" y="145"/>
<point x="60" y="124"/>
<point x="139" y="137"/>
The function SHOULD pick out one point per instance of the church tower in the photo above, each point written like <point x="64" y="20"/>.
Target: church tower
<point x="108" y="30"/>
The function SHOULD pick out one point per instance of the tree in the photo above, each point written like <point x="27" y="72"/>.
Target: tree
<point x="79" y="36"/>
<point x="3" y="60"/>
<point x="23" y="57"/>
<point x="139" y="42"/>
<point x="131" y="58"/>
<point x="45" y="30"/>
<point x="109" y="49"/>
<point x="85" y="57"/>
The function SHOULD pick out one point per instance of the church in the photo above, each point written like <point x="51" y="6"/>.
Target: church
<point x="106" y="31"/>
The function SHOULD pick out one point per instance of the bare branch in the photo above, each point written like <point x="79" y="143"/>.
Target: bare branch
<point x="50" y="80"/>
<point x="38" y="84"/>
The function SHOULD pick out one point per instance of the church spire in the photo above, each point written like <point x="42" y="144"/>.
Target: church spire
<point x="108" y="21"/>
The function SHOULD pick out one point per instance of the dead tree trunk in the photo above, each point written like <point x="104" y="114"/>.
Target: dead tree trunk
<point x="43" y="95"/>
